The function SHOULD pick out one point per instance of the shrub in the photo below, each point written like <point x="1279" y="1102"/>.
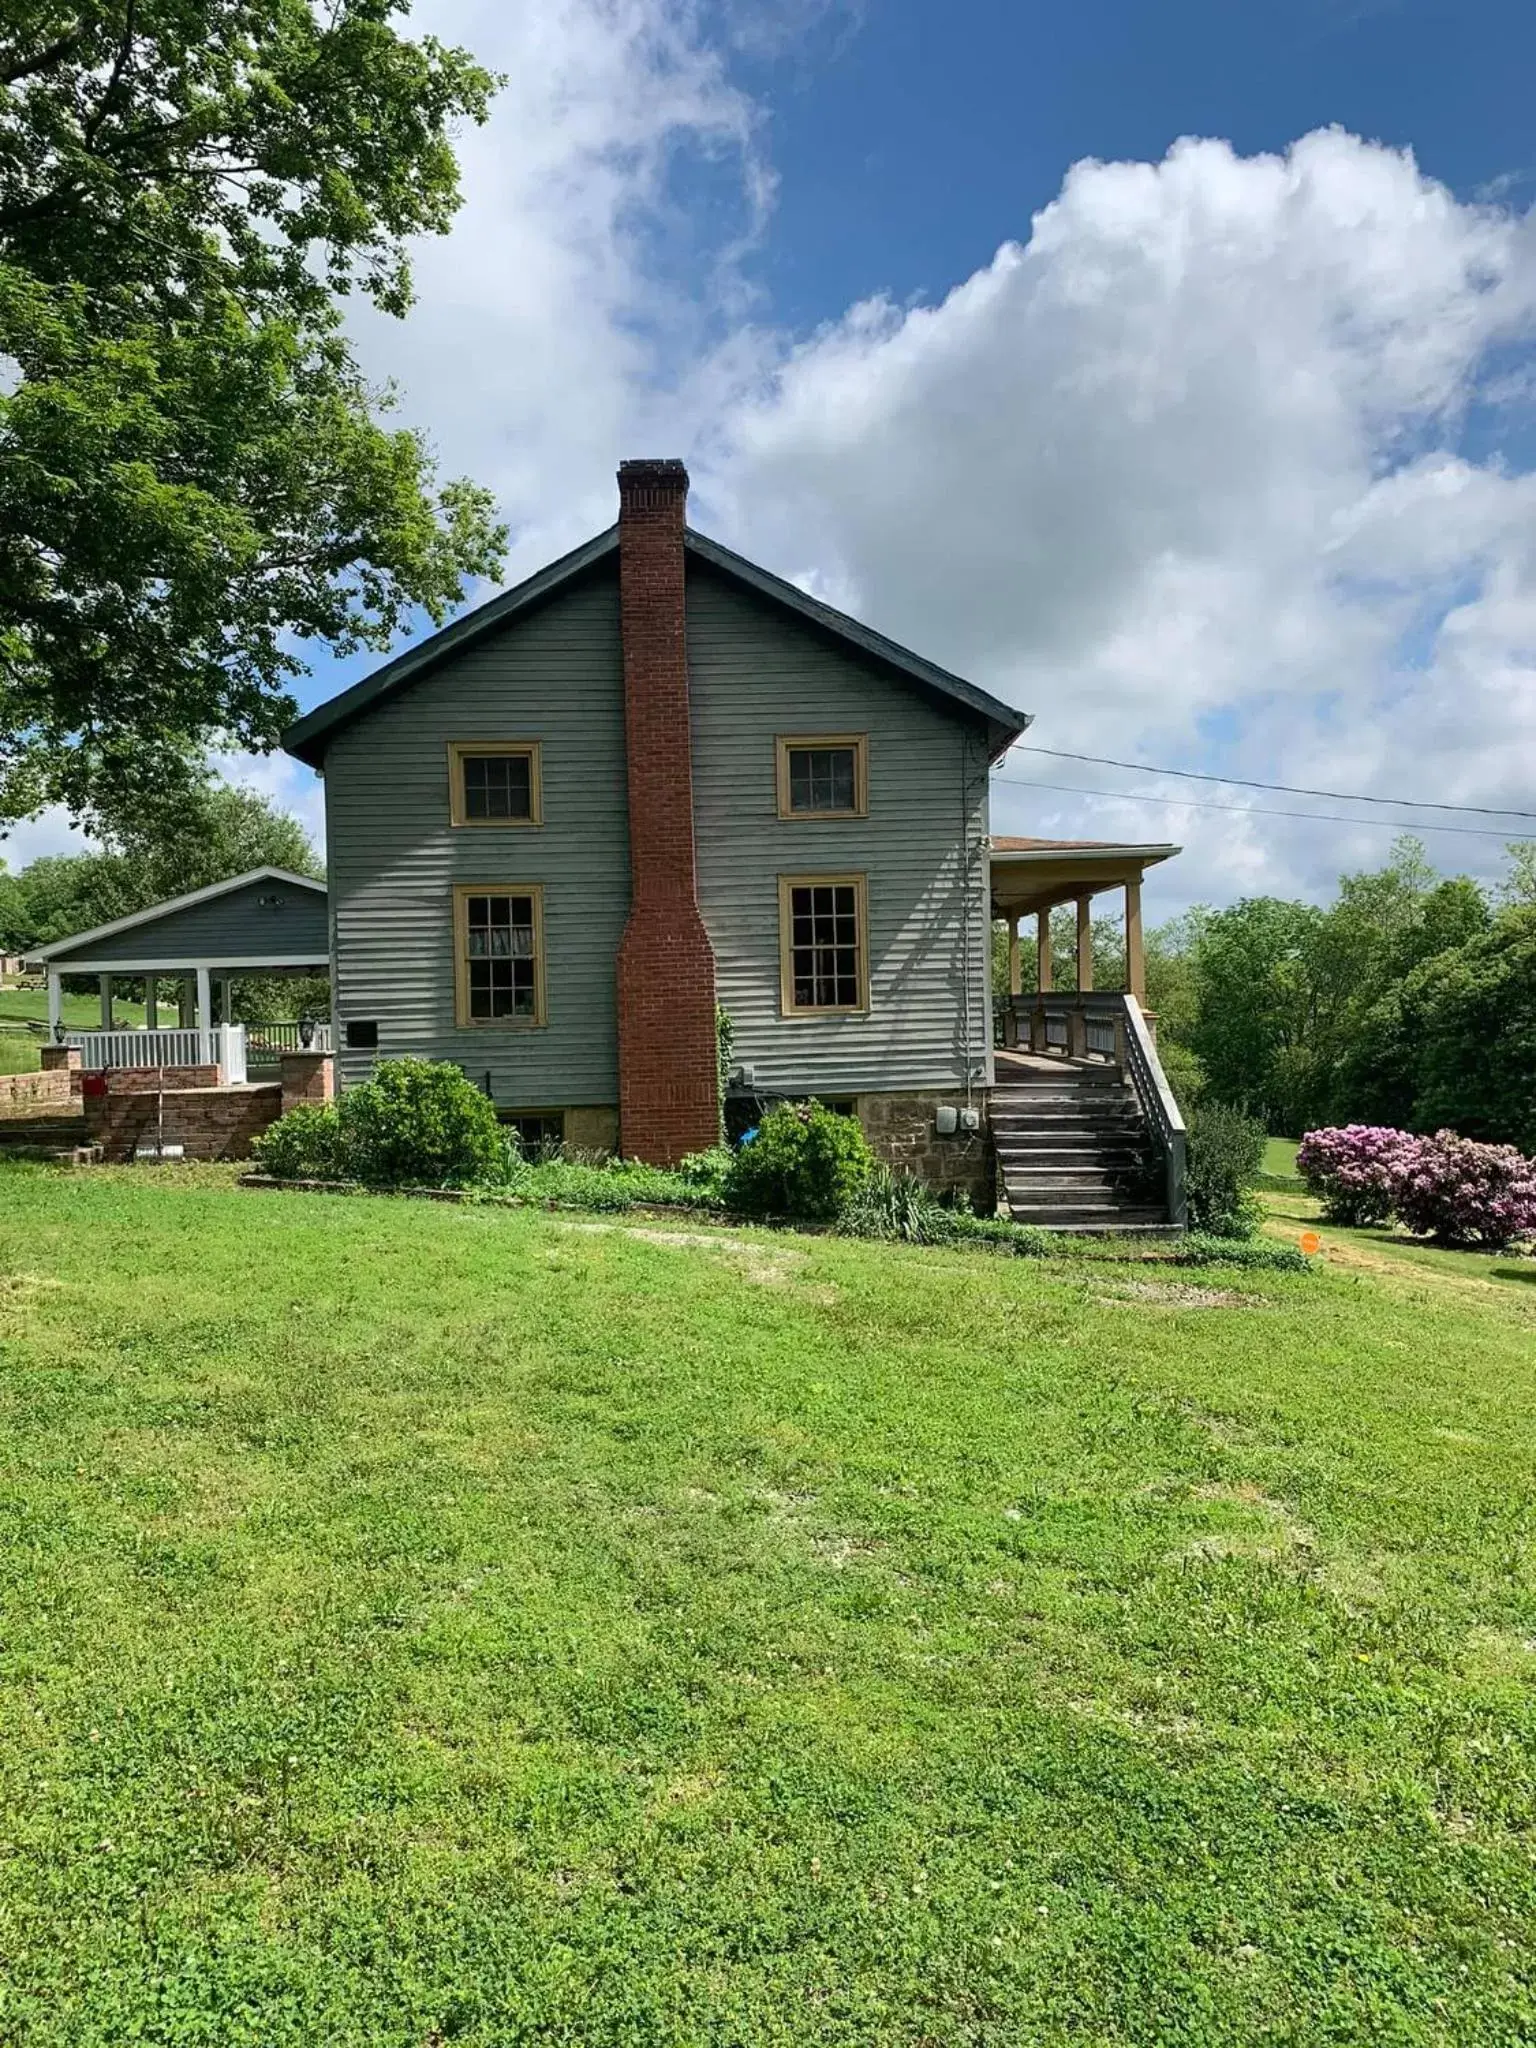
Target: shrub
<point x="1225" y="1152"/>
<point x="417" y="1123"/>
<point x="303" y="1145"/>
<point x="1467" y="1194"/>
<point x="803" y="1161"/>
<point x="705" y="1174"/>
<point x="1355" y="1169"/>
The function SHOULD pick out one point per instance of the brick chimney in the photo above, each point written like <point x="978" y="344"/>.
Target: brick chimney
<point x="668" y="1084"/>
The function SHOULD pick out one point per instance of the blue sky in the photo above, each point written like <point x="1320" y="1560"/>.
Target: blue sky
<point x="913" y="137"/>
<point x="1214" y="451"/>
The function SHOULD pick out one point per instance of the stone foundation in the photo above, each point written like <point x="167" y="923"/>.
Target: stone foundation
<point x="901" y="1132"/>
<point x="207" y="1122"/>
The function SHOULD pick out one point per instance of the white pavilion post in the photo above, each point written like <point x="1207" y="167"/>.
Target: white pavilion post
<point x="151" y="1002"/>
<point x="105" y="981"/>
<point x="206" y="1053"/>
<point x="55" y="1003"/>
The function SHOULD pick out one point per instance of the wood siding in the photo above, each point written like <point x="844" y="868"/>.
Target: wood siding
<point x="266" y="920"/>
<point x="757" y="673"/>
<point x="554" y="675"/>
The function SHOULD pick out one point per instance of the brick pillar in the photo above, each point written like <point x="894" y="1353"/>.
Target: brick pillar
<point x="307" y="1077"/>
<point x="62" y="1058"/>
<point x="668" y="1085"/>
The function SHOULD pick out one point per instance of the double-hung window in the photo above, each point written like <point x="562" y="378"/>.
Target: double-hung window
<point x="498" y="953"/>
<point x="823" y="945"/>
<point x="495" y="782"/>
<point x="823" y="775"/>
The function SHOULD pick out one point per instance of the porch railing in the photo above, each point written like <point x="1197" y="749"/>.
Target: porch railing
<point x="265" y="1043"/>
<point x="222" y="1047"/>
<point x="1158" y="1106"/>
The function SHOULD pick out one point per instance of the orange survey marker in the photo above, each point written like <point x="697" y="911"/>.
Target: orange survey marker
<point x="1311" y="1243"/>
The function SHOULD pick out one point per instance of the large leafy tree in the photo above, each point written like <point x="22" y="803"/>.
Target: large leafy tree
<point x="195" y="479"/>
<point x="210" y="832"/>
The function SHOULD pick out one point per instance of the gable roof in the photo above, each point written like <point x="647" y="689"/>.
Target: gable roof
<point x="308" y="737"/>
<point x="172" y="904"/>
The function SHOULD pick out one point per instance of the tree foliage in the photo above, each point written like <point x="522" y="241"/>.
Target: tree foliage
<point x="214" y="832"/>
<point x="195" y="478"/>
<point x="1410" y="1002"/>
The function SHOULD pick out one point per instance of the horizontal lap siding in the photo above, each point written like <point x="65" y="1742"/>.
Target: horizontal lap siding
<point x="553" y="676"/>
<point x="267" y="920"/>
<point x="755" y="673"/>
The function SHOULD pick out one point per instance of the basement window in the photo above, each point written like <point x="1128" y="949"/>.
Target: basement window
<point x="498" y="954"/>
<point x="495" y="782"/>
<point x="540" y="1132"/>
<point x="823" y="775"/>
<point x="823" y="945"/>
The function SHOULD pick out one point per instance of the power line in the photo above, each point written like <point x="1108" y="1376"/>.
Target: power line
<point x="1189" y="803"/>
<point x="1280" y="788"/>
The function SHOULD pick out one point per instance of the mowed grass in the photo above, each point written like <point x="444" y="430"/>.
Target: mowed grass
<point x="428" y="1625"/>
<point x="23" y="1008"/>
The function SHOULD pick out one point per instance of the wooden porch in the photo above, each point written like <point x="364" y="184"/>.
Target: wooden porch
<point x="1088" y="1134"/>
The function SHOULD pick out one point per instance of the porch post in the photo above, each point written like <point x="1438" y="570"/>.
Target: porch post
<point x="151" y="1002"/>
<point x="1039" y="1031"/>
<point x="1015" y="970"/>
<point x="1135" y="950"/>
<point x="1085" y="943"/>
<point x="226" y="999"/>
<point x="204" y="1016"/>
<point x="184" y="1017"/>
<point x="105" y="981"/>
<point x="55" y="1003"/>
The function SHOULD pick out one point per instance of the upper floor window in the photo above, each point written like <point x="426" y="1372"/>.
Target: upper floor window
<point x="823" y="944"/>
<point x="495" y="782"/>
<point x="498" y="953"/>
<point x="823" y="775"/>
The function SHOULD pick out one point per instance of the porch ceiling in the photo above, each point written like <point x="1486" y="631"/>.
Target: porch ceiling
<point x="1029" y="875"/>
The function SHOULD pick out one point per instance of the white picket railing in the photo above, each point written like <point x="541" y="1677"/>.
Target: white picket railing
<point x="223" y="1047"/>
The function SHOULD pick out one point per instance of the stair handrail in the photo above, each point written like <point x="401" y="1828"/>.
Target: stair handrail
<point x="1156" y="1099"/>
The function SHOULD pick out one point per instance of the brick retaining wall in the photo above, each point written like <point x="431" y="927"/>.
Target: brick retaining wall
<point x="29" y="1091"/>
<point x="207" y="1122"/>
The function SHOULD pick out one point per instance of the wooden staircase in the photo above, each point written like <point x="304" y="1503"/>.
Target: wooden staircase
<point x="1074" y="1151"/>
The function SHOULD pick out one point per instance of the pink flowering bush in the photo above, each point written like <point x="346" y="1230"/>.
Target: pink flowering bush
<point x="1355" y="1170"/>
<point x="1444" y="1187"/>
<point x="1467" y="1194"/>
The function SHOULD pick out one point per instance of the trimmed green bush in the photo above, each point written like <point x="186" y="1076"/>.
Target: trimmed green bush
<point x="417" y="1123"/>
<point x="803" y="1161"/>
<point x="1226" y="1151"/>
<point x="303" y="1145"/>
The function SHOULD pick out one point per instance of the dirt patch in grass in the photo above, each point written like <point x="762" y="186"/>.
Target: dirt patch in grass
<point x="1178" y="1294"/>
<point x="765" y="1265"/>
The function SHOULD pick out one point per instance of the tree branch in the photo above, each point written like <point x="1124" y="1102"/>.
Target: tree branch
<point x="42" y="60"/>
<point x="119" y="66"/>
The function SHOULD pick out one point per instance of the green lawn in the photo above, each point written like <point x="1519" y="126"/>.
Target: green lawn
<point x="429" y="1625"/>
<point x="22" y="1007"/>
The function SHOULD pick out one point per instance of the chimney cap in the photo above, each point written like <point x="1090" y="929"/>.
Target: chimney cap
<point x="653" y="473"/>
